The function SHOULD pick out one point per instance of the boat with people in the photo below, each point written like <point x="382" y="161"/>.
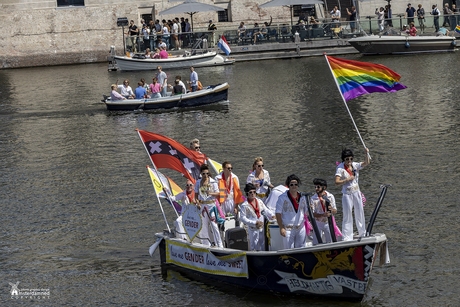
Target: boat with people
<point x="226" y="253"/>
<point x="205" y="96"/>
<point x="402" y="44"/>
<point x="136" y="62"/>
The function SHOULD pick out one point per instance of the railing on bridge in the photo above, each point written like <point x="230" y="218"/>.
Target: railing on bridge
<point x="285" y="33"/>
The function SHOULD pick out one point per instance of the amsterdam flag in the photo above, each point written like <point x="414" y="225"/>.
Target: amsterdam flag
<point x="167" y="153"/>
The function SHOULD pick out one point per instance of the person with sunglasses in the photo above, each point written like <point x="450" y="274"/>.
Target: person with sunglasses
<point x="251" y="215"/>
<point x="125" y="89"/>
<point x="229" y="190"/>
<point x="195" y="145"/>
<point x="206" y="192"/>
<point x="260" y="178"/>
<point x="290" y="212"/>
<point x="347" y="174"/>
<point x="320" y="209"/>
<point x="188" y="201"/>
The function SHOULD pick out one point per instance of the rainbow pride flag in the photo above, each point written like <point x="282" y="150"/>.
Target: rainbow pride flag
<point x="357" y="78"/>
<point x="457" y="29"/>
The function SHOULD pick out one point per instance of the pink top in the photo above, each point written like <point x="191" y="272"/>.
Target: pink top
<point x="163" y="54"/>
<point x="155" y="88"/>
<point x="413" y="30"/>
<point x="156" y="56"/>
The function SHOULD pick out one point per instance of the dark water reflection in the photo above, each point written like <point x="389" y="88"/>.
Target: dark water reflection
<point x="79" y="213"/>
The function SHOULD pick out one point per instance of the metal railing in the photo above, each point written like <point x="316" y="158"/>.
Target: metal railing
<point x="285" y="33"/>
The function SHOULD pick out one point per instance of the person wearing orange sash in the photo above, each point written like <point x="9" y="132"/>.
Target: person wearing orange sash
<point x="320" y="210"/>
<point x="291" y="209"/>
<point x="229" y="190"/>
<point x="347" y="174"/>
<point x="187" y="200"/>
<point x="251" y="215"/>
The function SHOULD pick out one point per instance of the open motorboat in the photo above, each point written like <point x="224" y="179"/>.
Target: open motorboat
<point x="211" y="94"/>
<point x="333" y="270"/>
<point x="402" y="44"/>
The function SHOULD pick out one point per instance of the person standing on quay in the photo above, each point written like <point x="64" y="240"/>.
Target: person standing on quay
<point x="421" y="17"/>
<point x="435" y="12"/>
<point x="347" y="174"/>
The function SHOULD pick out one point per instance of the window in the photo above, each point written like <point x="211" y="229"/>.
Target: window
<point x="63" y="3"/>
<point x="222" y="16"/>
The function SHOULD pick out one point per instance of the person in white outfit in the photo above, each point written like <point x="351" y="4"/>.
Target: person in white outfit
<point x="320" y="210"/>
<point x="229" y="190"/>
<point x="347" y="174"/>
<point x="187" y="199"/>
<point x="260" y="178"/>
<point x="251" y="215"/>
<point x="290" y="214"/>
<point x="206" y="192"/>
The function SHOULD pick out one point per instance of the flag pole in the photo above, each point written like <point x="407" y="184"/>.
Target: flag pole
<point x="162" y="211"/>
<point x="345" y="102"/>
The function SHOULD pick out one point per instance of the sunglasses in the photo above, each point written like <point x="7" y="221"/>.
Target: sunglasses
<point x="189" y="185"/>
<point x="229" y="168"/>
<point x="260" y="165"/>
<point x="349" y="159"/>
<point x="318" y="187"/>
<point x="205" y="174"/>
<point x="197" y="147"/>
<point x="252" y="192"/>
<point x="294" y="185"/>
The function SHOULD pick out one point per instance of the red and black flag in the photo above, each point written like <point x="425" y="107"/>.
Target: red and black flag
<point x="167" y="153"/>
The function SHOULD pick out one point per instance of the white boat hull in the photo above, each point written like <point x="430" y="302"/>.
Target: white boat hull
<point x="199" y="60"/>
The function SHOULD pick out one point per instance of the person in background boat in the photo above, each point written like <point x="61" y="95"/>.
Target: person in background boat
<point x="380" y="17"/>
<point x="147" y="54"/>
<point x="125" y="89"/>
<point x="156" y="55"/>
<point x="413" y="30"/>
<point x="347" y="174"/>
<point x="184" y="90"/>
<point x="251" y="215"/>
<point x="229" y="190"/>
<point x="163" y="53"/>
<point x="140" y="91"/>
<point x="421" y="17"/>
<point x="155" y="89"/>
<point x="446" y="11"/>
<point x="410" y="13"/>
<point x="188" y="202"/>
<point x="320" y="210"/>
<point x="193" y="79"/>
<point x="165" y="32"/>
<point x="260" y="178"/>
<point x="442" y="32"/>
<point x="206" y="191"/>
<point x="177" y="88"/>
<point x="352" y="16"/>
<point x="114" y="95"/>
<point x="290" y="213"/>
<point x="195" y="145"/>
<point x="435" y="12"/>
<point x="388" y="16"/>
<point x="163" y="80"/>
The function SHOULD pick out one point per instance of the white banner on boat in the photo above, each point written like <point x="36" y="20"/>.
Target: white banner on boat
<point x="330" y="284"/>
<point x="200" y="259"/>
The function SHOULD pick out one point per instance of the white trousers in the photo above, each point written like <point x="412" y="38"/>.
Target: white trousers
<point x="350" y="202"/>
<point x="227" y="206"/>
<point x="180" y="228"/>
<point x="204" y="233"/>
<point x="322" y="228"/>
<point x="294" y="238"/>
<point x="257" y="239"/>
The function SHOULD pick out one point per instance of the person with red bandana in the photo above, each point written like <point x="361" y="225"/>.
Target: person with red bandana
<point x="320" y="211"/>
<point x="291" y="209"/>
<point x="347" y="174"/>
<point x="187" y="199"/>
<point x="251" y="215"/>
<point x="229" y="190"/>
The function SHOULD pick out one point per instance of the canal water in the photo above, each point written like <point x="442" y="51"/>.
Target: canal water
<point x="79" y="212"/>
